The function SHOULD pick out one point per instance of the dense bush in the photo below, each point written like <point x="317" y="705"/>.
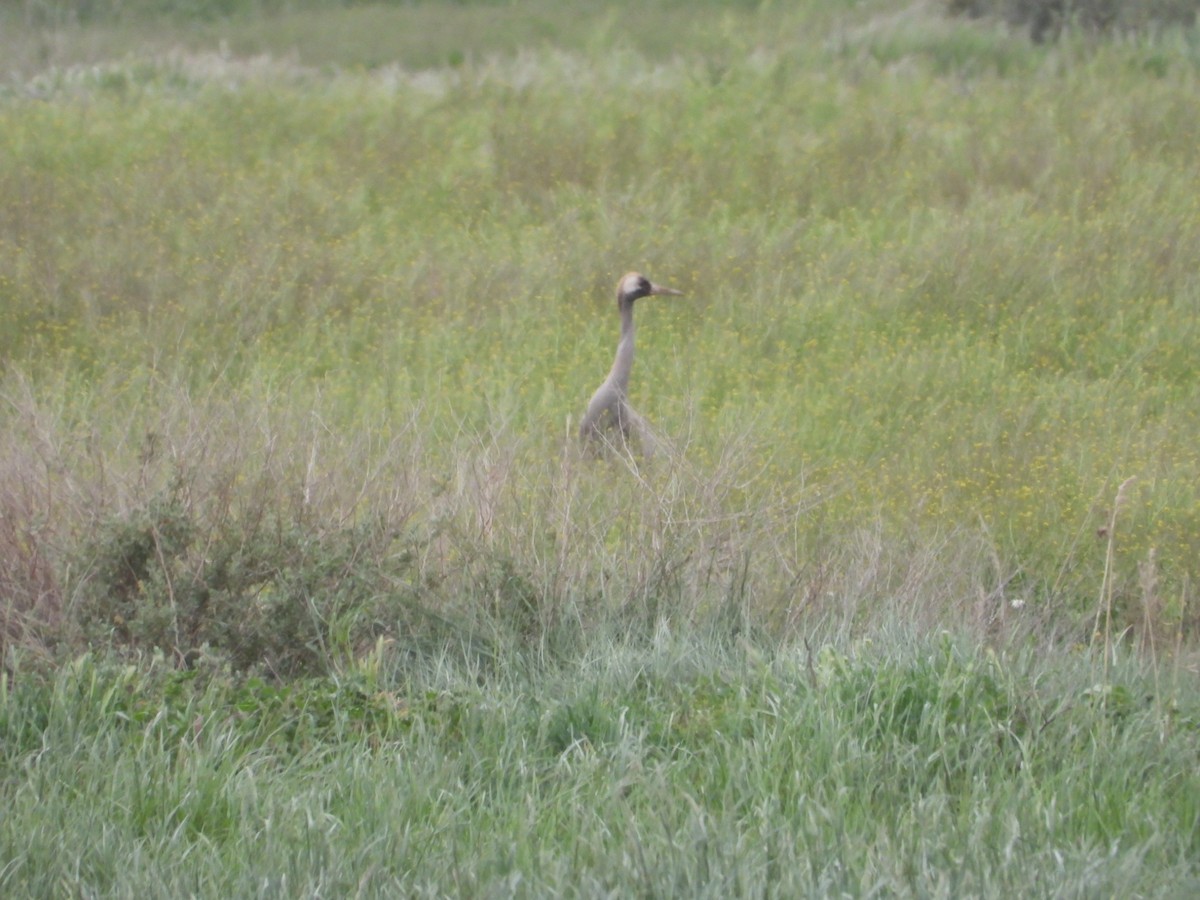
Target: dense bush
<point x="262" y="596"/>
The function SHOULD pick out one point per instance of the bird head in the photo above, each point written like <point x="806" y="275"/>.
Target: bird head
<point x="636" y="285"/>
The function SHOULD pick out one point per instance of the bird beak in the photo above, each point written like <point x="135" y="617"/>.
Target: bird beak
<point x="659" y="289"/>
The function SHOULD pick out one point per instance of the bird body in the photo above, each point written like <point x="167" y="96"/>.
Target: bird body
<point x="608" y="412"/>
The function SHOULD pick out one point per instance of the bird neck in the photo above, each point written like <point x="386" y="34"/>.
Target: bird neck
<point x="623" y="364"/>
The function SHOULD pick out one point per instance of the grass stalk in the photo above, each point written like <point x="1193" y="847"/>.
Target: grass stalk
<point x="1105" y="603"/>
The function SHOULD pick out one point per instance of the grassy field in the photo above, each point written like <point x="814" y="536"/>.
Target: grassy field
<point x="678" y="768"/>
<point x="308" y="590"/>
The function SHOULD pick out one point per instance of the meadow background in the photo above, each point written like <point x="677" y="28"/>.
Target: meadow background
<point x="305" y="587"/>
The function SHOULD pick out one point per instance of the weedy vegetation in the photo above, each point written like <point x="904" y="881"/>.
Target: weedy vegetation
<point x="307" y="589"/>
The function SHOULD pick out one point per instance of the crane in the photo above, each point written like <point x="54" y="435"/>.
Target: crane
<point x="609" y="411"/>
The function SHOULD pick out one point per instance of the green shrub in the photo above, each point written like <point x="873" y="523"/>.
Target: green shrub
<point x="286" y="599"/>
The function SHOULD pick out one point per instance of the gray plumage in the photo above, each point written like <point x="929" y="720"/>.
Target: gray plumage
<point x="609" y="414"/>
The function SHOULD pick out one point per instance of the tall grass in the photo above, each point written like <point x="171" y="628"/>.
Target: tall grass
<point x="941" y="309"/>
<point x="888" y="767"/>
<point x="305" y="587"/>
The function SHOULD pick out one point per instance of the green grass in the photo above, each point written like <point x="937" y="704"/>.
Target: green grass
<point x="306" y="587"/>
<point x="682" y="768"/>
